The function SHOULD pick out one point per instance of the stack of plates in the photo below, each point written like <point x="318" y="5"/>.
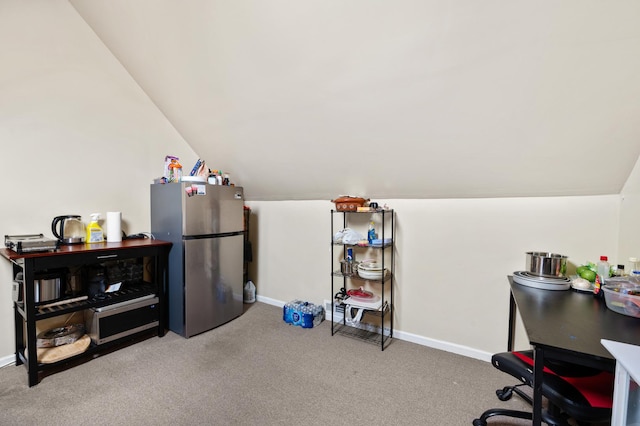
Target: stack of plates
<point x="371" y="271"/>
<point x="546" y="283"/>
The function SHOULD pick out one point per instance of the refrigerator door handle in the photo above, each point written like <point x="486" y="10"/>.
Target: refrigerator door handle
<point x="220" y="235"/>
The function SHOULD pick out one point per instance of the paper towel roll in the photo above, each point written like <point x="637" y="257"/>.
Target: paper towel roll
<point x="114" y="227"/>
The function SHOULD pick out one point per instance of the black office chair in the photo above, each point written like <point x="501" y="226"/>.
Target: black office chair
<point x="571" y="391"/>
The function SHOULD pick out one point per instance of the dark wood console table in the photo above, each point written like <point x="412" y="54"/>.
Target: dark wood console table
<point x="567" y="325"/>
<point x="149" y="252"/>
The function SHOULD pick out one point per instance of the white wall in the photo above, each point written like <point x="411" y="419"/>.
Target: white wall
<point x="630" y="219"/>
<point x="494" y="98"/>
<point x="78" y="135"/>
<point x="452" y="258"/>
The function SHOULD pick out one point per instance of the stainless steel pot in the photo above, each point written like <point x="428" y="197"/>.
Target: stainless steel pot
<point x="544" y="264"/>
<point x="47" y="287"/>
<point x="348" y="267"/>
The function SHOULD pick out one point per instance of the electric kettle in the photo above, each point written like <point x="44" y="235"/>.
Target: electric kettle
<point x="68" y="229"/>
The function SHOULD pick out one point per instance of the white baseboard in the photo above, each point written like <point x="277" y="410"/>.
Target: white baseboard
<point x="7" y="360"/>
<point x="410" y="337"/>
<point x="444" y="346"/>
<point x="269" y="301"/>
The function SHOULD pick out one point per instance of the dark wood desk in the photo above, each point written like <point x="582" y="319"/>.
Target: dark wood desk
<point x="567" y="325"/>
<point x="27" y="313"/>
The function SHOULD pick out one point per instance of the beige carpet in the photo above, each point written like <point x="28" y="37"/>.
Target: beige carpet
<point x="258" y="370"/>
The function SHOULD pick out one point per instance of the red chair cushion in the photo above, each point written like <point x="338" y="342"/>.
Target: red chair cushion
<point x="596" y="389"/>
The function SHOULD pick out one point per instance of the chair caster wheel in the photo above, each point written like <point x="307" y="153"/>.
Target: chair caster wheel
<point x="479" y="422"/>
<point x="504" y="394"/>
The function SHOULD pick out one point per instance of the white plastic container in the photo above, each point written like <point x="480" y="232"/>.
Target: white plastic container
<point x="249" y="292"/>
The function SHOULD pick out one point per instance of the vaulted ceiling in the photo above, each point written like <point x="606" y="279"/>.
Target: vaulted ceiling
<point x="310" y="99"/>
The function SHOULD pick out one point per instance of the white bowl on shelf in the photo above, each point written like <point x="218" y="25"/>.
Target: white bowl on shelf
<point x="369" y="266"/>
<point x="372" y="275"/>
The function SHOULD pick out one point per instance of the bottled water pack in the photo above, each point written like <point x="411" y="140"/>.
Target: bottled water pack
<point x="303" y="314"/>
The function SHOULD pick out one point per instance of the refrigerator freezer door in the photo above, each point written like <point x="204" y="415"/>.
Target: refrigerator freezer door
<point x="213" y="210"/>
<point x="213" y="269"/>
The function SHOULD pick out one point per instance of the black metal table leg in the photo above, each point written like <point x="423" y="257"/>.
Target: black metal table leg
<point x="512" y="322"/>
<point x="538" y="366"/>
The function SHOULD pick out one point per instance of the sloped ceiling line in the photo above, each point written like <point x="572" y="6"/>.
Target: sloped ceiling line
<point x="308" y="100"/>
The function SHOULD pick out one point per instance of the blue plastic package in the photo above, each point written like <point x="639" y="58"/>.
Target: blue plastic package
<point x="302" y="314"/>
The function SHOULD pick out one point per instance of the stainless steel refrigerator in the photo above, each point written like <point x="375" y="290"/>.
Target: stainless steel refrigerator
<point x="205" y="223"/>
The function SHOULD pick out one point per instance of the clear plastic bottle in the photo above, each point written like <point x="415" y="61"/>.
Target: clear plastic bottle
<point x="635" y="271"/>
<point x="175" y="171"/>
<point x="371" y="235"/>
<point x="603" y="270"/>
